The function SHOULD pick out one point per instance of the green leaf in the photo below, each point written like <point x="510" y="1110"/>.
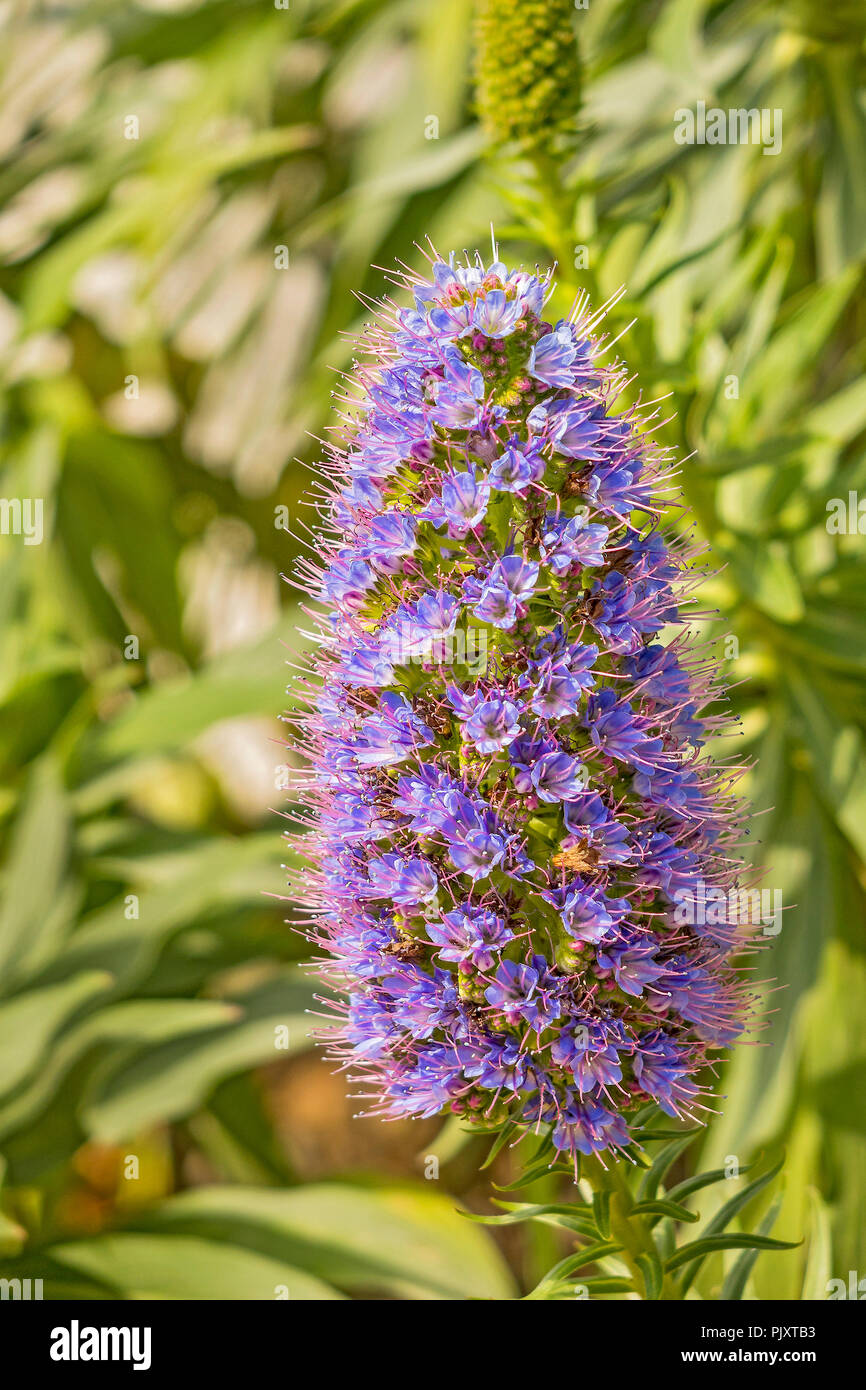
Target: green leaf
<point x="171" y="1080"/>
<point x="238" y="1107"/>
<point x="130" y="1022"/>
<point x="34" y="868"/>
<point x="730" y="1209"/>
<point x="531" y="1175"/>
<point x="186" y="1267"/>
<point x="601" y="1284"/>
<point x="406" y="1241"/>
<point x="218" y="875"/>
<point x="839" y="761"/>
<point x="554" y="1213"/>
<point x="735" y="1283"/>
<point x="710" y="1245"/>
<point x="507" y="1132"/>
<point x="590" y="1254"/>
<point x="774" y="378"/>
<point x="698" y="1182"/>
<point x="12" y="1235"/>
<point x="664" y="1207"/>
<point x="741" y="1199"/>
<point x="649" y="1185"/>
<point x="828" y="634"/>
<point x="770" y="451"/>
<point x="247" y="680"/>
<point x="29" y="1022"/>
<point x="650" y="1267"/>
<point x="832" y="1096"/>
<point x="764" y="571"/>
<point x="841" y="204"/>
<point x="819" y="1264"/>
<point x="652" y="1135"/>
<point x="115" y="501"/>
<point x="601" y="1210"/>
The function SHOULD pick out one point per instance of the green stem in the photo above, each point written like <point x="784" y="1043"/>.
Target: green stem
<point x="628" y="1230"/>
<point x="558" y="210"/>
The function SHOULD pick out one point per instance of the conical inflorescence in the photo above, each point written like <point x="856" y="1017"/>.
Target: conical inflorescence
<point x="513" y="827"/>
<point x="527" y="70"/>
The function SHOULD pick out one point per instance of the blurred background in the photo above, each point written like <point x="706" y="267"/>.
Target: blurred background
<point x="192" y="196"/>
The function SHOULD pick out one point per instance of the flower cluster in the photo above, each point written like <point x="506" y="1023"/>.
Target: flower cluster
<point x="498" y="847"/>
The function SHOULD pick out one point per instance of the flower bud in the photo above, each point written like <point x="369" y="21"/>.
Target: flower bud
<point x="527" y="70"/>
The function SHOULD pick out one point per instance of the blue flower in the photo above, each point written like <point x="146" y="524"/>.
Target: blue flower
<point x="421" y="1004"/>
<point x="590" y="1051"/>
<point x="616" y="729"/>
<point x="370" y="1027"/>
<point x="587" y="914"/>
<point x="513" y="992"/>
<point x="464" y="503"/>
<point x="347" y="583"/>
<point x="556" y="697"/>
<point x="558" y="777"/>
<point x="470" y="936"/>
<point x="517" y="468"/>
<point x="391" y="735"/>
<point x="566" y="541"/>
<point x="663" y="1071"/>
<point x="553" y="357"/>
<point x="493" y="725"/>
<point x="614" y="612"/>
<point x="459" y="394"/>
<point x="524" y="754"/>
<point x="497" y="606"/>
<point x="589" y="1128"/>
<point x="367" y="665"/>
<point x="496" y="1065"/>
<point x="495" y="315"/>
<point x="406" y="880"/>
<point x="477" y="853"/>
<point x="390" y="540"/>
<point x="659" y="674"/>
<point x="510" y="583"/>
<point x="589" y="819"/>
<point x="415" y="628"/>
<point x="631" y="960"/>
<point x="563" y="680"/>
<point x="575" y="430"/>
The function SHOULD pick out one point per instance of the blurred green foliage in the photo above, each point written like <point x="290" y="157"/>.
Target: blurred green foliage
<point x="192" y="196"/>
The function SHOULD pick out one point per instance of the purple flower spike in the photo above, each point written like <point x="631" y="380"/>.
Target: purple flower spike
<point x="504" y="732"/>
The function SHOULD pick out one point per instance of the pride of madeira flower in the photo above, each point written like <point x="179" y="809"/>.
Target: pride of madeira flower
<point x="503" y="730"/>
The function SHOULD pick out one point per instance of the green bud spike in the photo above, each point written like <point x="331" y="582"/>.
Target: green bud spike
<point x="527" y="70"/>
